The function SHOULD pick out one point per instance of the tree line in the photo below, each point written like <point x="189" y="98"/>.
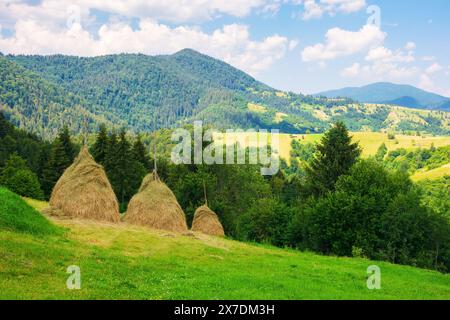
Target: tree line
<point x="333" y="202"/>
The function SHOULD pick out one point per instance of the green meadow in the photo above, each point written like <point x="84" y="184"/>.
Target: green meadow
<point x="128" y="262"/>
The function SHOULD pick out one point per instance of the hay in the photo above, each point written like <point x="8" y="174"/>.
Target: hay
<point x="84" y="191"/>
<point x="207" y="222"/>
<point x="155" y="206"/>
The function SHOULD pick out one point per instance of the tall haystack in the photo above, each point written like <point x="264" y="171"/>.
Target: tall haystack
<point x="155" y="206"/>
<point x="207" y="222"/>
<point x="84" y="191"/>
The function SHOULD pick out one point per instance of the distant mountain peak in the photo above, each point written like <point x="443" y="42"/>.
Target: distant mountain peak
<point x="391" y="93"/>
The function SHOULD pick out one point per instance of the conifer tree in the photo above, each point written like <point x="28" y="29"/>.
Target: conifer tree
<point x="57" y="163"/>
<point x="68" y="146"/>
<point x="100" y="147"/>
<point x="140" y="153"/>
<point x="335" y="155"/>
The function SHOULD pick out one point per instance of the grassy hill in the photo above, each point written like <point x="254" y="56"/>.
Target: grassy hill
<point x="369" y="141"/>
<point x="432" y="174"/>
<point x="128" y="262"/>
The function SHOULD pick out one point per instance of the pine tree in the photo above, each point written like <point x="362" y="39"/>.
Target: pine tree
<point x="100" y="147"/>
<point x="69" y="147"/>
<point x="140" y="154"/>
<point x="124" y="171"/>
<point x="335" y="155"/>
<point x="57" y="163"/>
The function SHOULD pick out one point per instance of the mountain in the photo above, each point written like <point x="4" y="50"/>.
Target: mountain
<point x="389" y="93"/>
<point x="143" y="93"/>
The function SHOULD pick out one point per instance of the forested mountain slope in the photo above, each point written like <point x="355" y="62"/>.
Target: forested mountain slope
<point x="41" y="93"/>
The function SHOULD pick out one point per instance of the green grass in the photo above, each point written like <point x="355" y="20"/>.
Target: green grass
<point x="128" y="262"/>
<point x="432" y="174"/>
<point x="369" y="142"/>
<point x="17" y="215"/>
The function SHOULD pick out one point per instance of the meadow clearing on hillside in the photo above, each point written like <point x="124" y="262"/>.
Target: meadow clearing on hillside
<point x="119" y="261"/>
<point x="369" y="141"/>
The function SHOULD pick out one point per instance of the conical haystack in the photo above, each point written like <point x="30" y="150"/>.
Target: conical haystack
<point x="84" y="191"/>
<point x="207" y="222"/>
<point x="155" y="206"/>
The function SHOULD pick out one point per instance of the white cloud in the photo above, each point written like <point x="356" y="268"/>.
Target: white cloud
<point x="166" y="10"/>
<point x="231" y="43"/>
<point x="352" y="71"/>
<point x="312" y="10"/>
<point x="316" y="9"/>
<point x="341" y="43"/>
<point x="435" y="67"/>
<point x="384" y="64"/>
<point x="428" y="58"/>
<point x="410" y="45"/>
<point x="385" y="55"/>
<point x="427" y="83"/>
<point x="293" y="44"/>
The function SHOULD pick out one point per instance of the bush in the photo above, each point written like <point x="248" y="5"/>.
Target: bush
<point x="266" y="221"/>
<point x="17" y="177"/>
<point x="374" y="213"/>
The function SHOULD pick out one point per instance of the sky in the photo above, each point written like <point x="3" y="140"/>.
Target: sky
<point x="304" y="46"/>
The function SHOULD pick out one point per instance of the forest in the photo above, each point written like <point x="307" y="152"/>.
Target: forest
<point x="41" y="94"/>
<point x="328" y="200"/>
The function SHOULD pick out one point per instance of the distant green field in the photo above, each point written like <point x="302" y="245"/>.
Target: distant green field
<point x="369" y="141"/>
<point x="432" y="174"/>
<point x="127" y="262"/>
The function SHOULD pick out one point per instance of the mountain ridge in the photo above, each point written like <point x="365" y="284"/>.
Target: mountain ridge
<point x="391" y="93"/>
<point x="144" y="93"/>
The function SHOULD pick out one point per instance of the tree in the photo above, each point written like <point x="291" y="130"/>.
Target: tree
<point x="17" y="177"/>
<point x="335" y="156"/>
<point x="58" y="162"/>
<point x="266" y="221"/>
<point x="100" y="147"/>
<point x="381" y="152"/>
<point x="124" y="172"/>
<point x="68" y="146"/>
<point x="140" y="154"/>
<point x="377" y="213"/>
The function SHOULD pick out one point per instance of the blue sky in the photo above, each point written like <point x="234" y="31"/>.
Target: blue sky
<point x="299" y="45"/>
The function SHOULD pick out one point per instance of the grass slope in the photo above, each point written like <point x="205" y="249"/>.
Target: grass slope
<point x="432" y="174"/>
<point x="16" y="215"/>
<point x="369" y="141"/>
<point x="128" y="262"/>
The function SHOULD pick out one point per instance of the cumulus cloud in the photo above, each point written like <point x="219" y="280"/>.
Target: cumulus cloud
<point x="352" y="71"/>
<point x="178" y="11"/>
<point x="428" y="84"/>
<point x="386" y="55"/>
<point x="316" y="9"/>
<point x="410" y="45"/>
<point x="435" y="67"/>
<point x="341" y="43"/>
<point x="384" y="64"/>
<point x="231" y="43"/>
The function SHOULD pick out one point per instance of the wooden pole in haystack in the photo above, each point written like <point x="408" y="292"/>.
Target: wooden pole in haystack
<point x="204" y="192"/>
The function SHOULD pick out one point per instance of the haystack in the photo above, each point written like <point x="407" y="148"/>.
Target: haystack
<point x="155" y="206"/>
<point x="207" y="222"/>
<point x="84" y="191"/>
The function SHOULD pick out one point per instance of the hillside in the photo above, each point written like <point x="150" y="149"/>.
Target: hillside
<point x="395" y="94"/>
<point x="126" y="262"/>
<point x="147" y="92"/>
<point x="29" y="100"/>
